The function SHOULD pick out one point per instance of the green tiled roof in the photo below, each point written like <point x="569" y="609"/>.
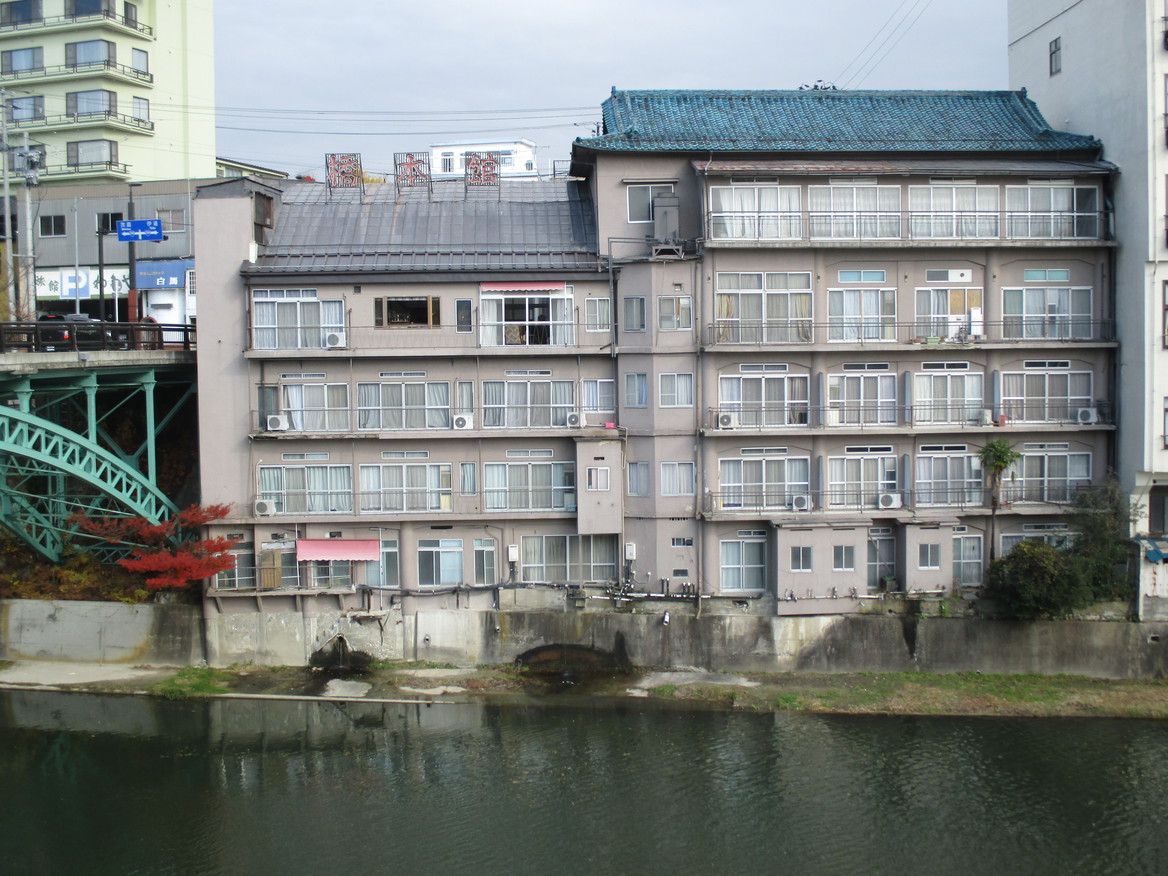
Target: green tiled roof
<point x="828" y="121"/>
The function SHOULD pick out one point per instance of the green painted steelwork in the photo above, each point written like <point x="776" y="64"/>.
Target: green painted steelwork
<point x="38" y="452"/>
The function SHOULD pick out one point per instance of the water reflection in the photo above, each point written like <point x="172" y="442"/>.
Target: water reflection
<point x="130" y="785"/>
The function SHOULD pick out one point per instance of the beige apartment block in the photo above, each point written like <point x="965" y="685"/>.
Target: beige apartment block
<point x="748" y="354"/>
<point x="109" y="90"/>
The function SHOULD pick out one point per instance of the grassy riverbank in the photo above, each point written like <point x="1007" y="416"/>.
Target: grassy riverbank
<point x="885" y="693"/>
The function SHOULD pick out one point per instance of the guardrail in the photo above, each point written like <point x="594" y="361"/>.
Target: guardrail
<point x="59" y="335"/>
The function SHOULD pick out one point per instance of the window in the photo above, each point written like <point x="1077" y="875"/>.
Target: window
<point x="20" y="12"/>
<point x="755" y="213"/>
<point x="387" y="573"/>
<point x="635" y="314"/>
<point x="17" y="61"/>
<point x="948" y="398"/>
<point x="293" y="319"/>
<point x="242" y="574"/>
<point x="881" y="557"/>
<point x="405" y="487"/>
<point x="597" y="479"/>
<point x="1047" y="396"/>
<point x="1054" y="534"/>
<point x="80" y="153"/>
<point x="677" y="479"/>
<point x="843" y="558"/>
<point x="755" y="308"/>
<point x="851" y="276"/>
<point x="468" y="478"/>
<point x="439" y="562"/>
<point x="396" y="312"/>
<point x="599" y="395"/>
<point x="579" y="559"/>
<point x="140" y="109"/>
<point x="1046" y="275"/>
<point x="140" y="61"/>
<point x="636" y="390"/>
<point x="1046" y="313"/>
<point x="78" y="8"/>
<point x="948" y="476"/>
<point x="403" y="405"/>
<point x="131" y="13"/>
<point x="929" y="556"/>
<point x="1046" y="475"/>
<point x="765" y="481"/>
<point x="329" y="573"/>
<point x="512" y="317"/>
<point x="463" y="315"/>
<point x="764" y="400"/>
<point x="952" y="314"/>
<point x="173" y="221"/>
<point x="484" y="562"/>
<point x="90" y="103"/>
<point x="682" y="541"/>
<point x="107" y="223"/>
<point x="854" y="212"/>
<point x="317" y="407"/>
<point x="90" y="53"/>
<point x="860" y="478"/>
<point x="52" y="226"/>
<point x="742" y="562"/>
<point x="307" y="488"/>
<point x="801" y="558"/>
<point x="527" y="404"/>
<point x="861" y="314"/>
<point x="1052" y="211"/>
<point x="1055" y="54"/>
<point x="641" y="200"/>
<point x="447" y="162"/>
<point x="534" y="486"/>
<point x="861" y="399"/>
<point x="638" y="479"/>
<point x="677" y="390"/>
<point x="26" y="109"/>
<point x="597" y="314"/>
<point x="675" y="313"/>
<point x="953" y="211"/>
<point x="967" y="558"/>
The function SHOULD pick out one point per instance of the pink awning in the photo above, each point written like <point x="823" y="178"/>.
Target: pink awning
<point x="368" y="549"/>
<point x="521" y="287"/>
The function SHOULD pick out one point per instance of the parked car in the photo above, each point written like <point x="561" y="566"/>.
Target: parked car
<point x="73" y="331"/>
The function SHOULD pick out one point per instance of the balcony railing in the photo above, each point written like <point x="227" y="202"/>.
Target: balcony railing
<point x="424" y="339"/>
<point x="433" y="419"/>
<point x="74" y="69"/>
<point x="101" y="168"/>
<point x="64" y="20"/>
<point x="861" y="416"/>
<point x="885" y="330"/>
<point x="953" y="494"/>
<point x="56" y="336"/>
<point x="83" y="119"/>
<point x="805" y="226"/>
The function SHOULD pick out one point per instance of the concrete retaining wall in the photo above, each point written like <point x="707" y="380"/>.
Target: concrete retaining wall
<point x="173" y="634"/>
<point x="100" y="632"/>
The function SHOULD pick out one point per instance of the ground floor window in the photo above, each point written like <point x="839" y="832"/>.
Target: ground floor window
<point x="484" y="562"/>
<point x="439" y="562"/>
<point x="242" y="574"/>
<point x="329" y="573"/>
<point x="967" y="557"/>
<point x="743" y="561"/>
<point x="576" y="558"/>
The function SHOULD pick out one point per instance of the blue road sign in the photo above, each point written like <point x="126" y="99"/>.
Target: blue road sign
<point x="139" y="229"/>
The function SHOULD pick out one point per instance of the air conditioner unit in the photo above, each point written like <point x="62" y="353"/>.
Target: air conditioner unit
<point x="277" y="423"/>
<point x="464" y="421"/>
<point x="264" y="508"/>
<point x="801" y="502"/>
<point x="575" y="419"/>
<point x="987" y="416"/>
<point x="728" y="420"/>
<point x="333" y="340"/>
<point x="1086" y="416"/>
<point x="889" y="500"/>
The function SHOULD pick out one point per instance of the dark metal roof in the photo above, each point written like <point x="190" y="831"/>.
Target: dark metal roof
<point x="522" y="225"/>
<point x="954" y="166"/>
<point x="828" y="121"/>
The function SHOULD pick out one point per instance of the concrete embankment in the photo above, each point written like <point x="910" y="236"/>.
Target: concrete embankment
<point x="179" y="635"/>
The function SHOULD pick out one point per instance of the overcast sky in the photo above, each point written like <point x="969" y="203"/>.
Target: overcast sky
<point x="300" y="78"/>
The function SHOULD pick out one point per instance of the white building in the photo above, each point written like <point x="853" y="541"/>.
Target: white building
<point x="1101" y="67"/>
<point x="516" y="157"/>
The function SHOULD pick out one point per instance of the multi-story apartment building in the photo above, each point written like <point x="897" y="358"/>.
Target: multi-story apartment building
<point x="1094" y="67"/>
<point x="750" y="355"/>
<point x="109" y="90"/>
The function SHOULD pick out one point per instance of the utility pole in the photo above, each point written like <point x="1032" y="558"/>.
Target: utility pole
<point x="9" y="273"/>
<point x="31" y="178"/>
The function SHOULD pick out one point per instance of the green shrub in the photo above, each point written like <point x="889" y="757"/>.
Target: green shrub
<point x="1036" y="581"/>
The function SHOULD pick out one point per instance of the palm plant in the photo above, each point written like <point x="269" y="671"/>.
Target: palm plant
<point x="997" y="456"/>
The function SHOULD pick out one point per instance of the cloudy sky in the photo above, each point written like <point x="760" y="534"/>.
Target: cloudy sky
<point x="300" y="78"/>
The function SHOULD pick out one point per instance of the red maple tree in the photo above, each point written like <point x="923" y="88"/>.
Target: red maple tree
<point x="173" y="550"/>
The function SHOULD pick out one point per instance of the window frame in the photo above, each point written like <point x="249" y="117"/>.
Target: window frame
<point x="644" y="210"/>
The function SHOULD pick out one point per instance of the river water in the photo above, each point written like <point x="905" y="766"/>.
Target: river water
<point x="128" y="785"/>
